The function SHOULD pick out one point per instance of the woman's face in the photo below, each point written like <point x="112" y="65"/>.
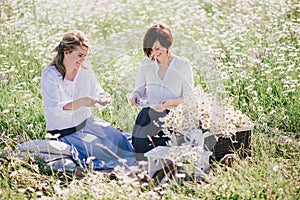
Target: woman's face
<point x="158" y="51"/>
<point x="75" y="58"/>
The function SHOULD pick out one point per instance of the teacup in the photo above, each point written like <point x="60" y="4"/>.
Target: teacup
<point x="144" y="101"/>
<point x="102" y="97"/>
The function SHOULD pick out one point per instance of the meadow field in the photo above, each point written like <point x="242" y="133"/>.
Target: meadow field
<point x="251" y="47"/>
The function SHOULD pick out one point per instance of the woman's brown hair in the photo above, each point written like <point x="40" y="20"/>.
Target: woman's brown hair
<point x="158" y="32"/>
<point x="69" y="43"/>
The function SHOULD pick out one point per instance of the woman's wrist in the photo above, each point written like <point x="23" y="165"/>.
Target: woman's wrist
<point x="177" y="101"/>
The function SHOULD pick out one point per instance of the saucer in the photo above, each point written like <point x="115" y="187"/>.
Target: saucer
<point x="153" y="106"/>
<point x="144" y="105"/>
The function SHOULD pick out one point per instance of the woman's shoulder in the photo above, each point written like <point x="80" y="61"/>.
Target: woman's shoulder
<point x="50" y="73"/>
<point x="51" y="69"/>
<point x="146" y="61"/>
<point x="87" y="66"/>
<point x="181" y="60"/>
<point x="87" y="70"/>
<point x="146" y="64"/>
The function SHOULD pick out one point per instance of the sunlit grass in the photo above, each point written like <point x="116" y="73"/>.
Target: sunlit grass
<point x="255" y="49"/>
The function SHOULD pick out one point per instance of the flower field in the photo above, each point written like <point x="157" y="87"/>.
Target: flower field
<point x="244" y="52"/>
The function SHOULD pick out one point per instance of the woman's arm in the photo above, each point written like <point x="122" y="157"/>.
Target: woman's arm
<point x="51" y="85"/>
<point x="188" y="82"/>
<point x="84" y="101"/>
<point x="140" y="85"/>
<point x="166" y="103"/>
<point x="172" y="102"/>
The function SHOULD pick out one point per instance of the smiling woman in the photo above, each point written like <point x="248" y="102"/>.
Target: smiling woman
<point x="165" y="79"/>
<point x="70" y="89"/>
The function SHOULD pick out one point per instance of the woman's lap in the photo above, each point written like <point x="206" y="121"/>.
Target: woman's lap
<point x="144" y="128"/>
<point x="101" y="140"/>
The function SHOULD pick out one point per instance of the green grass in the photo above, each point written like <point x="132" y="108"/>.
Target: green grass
<point x="255" y="48"/>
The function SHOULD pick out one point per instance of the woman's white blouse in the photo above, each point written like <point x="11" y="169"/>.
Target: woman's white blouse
<point x="58" y="92"/>
<point x="177" y="82"/>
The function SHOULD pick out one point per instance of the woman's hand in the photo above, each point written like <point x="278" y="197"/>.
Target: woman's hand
<point x="164" y="104"/>
<point x="135" y="98"/>
<point x="104" y="99"/>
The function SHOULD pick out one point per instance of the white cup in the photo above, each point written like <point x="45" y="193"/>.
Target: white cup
<point x="102" y="97"/>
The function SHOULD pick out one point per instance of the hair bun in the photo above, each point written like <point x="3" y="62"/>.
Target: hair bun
<point x="61" y="46"/>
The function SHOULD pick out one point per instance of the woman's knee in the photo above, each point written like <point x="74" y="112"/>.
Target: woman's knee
<point x="141" y="145"/>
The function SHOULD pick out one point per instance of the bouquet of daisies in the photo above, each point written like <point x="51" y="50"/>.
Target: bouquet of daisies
<point x="204" y="112"/>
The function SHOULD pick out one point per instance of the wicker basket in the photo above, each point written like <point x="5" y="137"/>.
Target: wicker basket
<point x="223" y="146"/>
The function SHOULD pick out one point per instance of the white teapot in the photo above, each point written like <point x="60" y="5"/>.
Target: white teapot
<point x="197" y="137"/>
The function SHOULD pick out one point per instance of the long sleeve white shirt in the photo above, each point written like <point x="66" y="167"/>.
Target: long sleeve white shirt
<point x="177" y="82"/>
<point x="58" y="92"/>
